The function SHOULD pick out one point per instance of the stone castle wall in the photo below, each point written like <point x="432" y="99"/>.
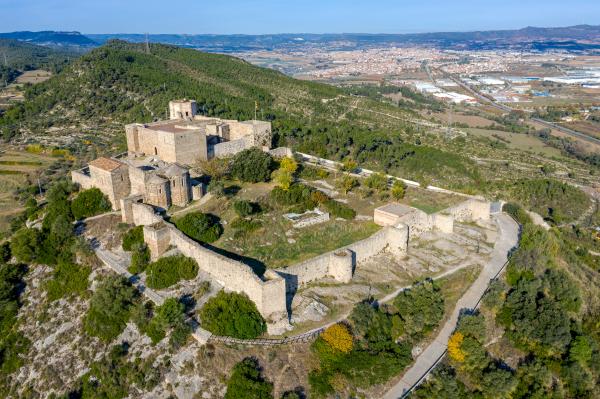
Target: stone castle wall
<point x="229" y="148"/>
<point x="84" y="180"/>
<point x="470" y="210"/>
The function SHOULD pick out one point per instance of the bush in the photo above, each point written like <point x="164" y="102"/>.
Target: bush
<point x="245" y="208"/>
<point x="420" y="307"/>
<point x="168" y="271"/>
<point x="252" y="165"/>
<point x="377" y="181"/>
<point x="110" y="308"/>
<point x="90" y="203"/>
<point x="24" y="245"/>
<point x="339" y="210"/>
<point x="244" y="226"/>
<point x="398" y="189"/>
<point x="68" y="279"/>
<point x="517" y="212"/>
<point x="133" y="237"/>
<point x="140" y="258"/>
<point x="338" y="337"/>
<point x="201" y="227"/>
<point x="247" y="382"/>
<point x="297" y="195"/>
<point x="232" y="315"/>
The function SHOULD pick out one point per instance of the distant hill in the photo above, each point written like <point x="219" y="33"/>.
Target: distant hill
<point x="51" y="38"/>
<point x="575" y="38"/>
<point x="25" y="56"/>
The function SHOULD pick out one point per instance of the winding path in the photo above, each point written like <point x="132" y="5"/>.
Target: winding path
<point x="508" y="239"/>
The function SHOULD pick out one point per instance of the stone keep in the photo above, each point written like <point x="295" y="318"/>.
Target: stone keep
<point x="182" y="109"/>
<point x="112" y="178"/>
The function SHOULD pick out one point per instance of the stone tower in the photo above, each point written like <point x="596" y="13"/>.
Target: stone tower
<point x="179" y="179"/>
<point x="157" y="192"/>
<point x="182" y="109"/>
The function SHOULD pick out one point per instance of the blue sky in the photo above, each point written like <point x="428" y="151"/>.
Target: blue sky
<point x="278" y="16"/>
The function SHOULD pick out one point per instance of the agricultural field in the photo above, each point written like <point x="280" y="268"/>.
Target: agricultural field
<point x="17" y="168"/>
<point x="518" y="141"/>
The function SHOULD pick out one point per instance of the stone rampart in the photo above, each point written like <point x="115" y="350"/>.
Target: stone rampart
<point x="230" y="148"/>
<point x="470" y="210"/>
<point x="82" y="178"/>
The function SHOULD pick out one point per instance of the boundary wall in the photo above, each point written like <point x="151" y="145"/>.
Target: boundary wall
<point x="269" y="293"/>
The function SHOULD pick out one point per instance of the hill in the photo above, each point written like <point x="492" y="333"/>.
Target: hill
<point x="24" y="56"/>
<point x="51" y="38"/>
<point x="120" y="83"/>
<point x="580" y="37"/>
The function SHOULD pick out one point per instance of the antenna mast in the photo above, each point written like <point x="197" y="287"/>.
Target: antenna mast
<point x="147" y="47"/>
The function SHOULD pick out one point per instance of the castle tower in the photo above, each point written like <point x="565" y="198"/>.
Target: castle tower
<point x="179" y="179"/>
<point x="158" y="192"/>
<point x="182" y="109"/>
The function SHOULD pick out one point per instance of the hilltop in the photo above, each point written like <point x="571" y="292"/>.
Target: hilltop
<point x="51" y="38"/>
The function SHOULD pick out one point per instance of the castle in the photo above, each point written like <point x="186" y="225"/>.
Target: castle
<point x="155" y="170"/>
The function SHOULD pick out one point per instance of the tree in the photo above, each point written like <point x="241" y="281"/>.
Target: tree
<point x="232" y="315"/>
<point x="134" y="236"/>
<point x="140" y="259"/>
<point x="398" y="189"/>
<point x="89" y="203"/>
<point x="283" y="178"/>
<point x="346" y="183"/>
<point x="168" y="271"/>
<point x="377" y="181"/>
<point x="244" y="208"/>
<point x="252" y="166"/>
<point x="216" y="168"/>
<point x="200" y="226"/>
<point x="288" y="164"/>
<point x="246" y="381"/>
<point x="420" y="307"/>
<point x="110" y="308"/>
<point x="24" y="245"/>
<point x="454" y="350"/>
<point x="338" y="337"/>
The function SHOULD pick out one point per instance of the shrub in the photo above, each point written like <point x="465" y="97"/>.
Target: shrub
<point x="232" y="315"/>
<point x="282" y="178"/>
<point x="67" y="279"/>
<point x="517" y="212"/>
<point x="252" y="165"/>
<point x="339" y="210"/>
<point x="289" y="165"/>
<point x="377" y="181"/>
<point x="168" y="271"/>
<point x="216" y="188"/>
<point x="243" y="226"/>
<point x="140" y="258"/>
<point x="245" y="208"/>
<point x="90" y="203"/>
<point x="398" y="189"/>
<point x="133" y="237"/>
<point x="338" y="337"/>
<point x="346" y="183"/>
<point x="24" y="245"/>
<point x="110" y="308"/>
<point x="247" y="382"/>
<point x="420" y="307"/>
<point x="201" y="227"/>
<point x="298" y="195"/>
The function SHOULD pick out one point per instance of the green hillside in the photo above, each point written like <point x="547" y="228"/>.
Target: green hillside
<point x="26" y="56"/>
<point x="120" y="83"/>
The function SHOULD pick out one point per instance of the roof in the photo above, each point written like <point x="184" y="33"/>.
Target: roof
<point x="175" y="170"/>
<point x="154" y="179"/>
<point x="396" y="209"/>
<point x="107" y="164"/>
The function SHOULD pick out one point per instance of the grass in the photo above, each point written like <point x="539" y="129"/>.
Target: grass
<point x="270" y="244"/>
<point x="518" y="141"/>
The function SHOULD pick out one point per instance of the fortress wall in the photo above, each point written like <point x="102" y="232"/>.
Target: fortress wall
<point x="443" y="222"/>
<point x="137" y="177"/>
<point x="281" y="152"/>
<point x="85" y="181"/>
<point x="144" y="215"/>
<point x="470" y="210"/>
<point x="188" y="147"/>
<point x="229" y="148"/>
<point x="269" y="296"/>
<point x="418" y="222"/>
<point x="147" y="140"/>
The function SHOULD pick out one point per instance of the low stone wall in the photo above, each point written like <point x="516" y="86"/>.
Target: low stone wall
<point x="281" y="152"/>
<point x="230" y="148"/>
<point x="340" y="263"/>
<point x="470" y="210"/>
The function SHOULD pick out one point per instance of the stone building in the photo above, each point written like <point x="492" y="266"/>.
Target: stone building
<point x="155" y="167"/>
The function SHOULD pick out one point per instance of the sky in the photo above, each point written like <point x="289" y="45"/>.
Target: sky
<point x="295" y="16"/>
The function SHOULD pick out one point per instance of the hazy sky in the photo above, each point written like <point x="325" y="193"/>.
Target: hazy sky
<point x="295" y="16"/>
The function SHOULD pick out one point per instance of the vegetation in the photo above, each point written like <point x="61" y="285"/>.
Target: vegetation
<point x="421" y="308"/>
<point x="170" y="270"/>
<point x="557" y="202"/>
<point x="89" y="203"/>
<point x="201" y="227"/>
<point x="539" y="308"/>
<point x="26" y="56"/>
<point x="134" y="236"/>
<point x="232" y="315"/>
<point x="245" y="208"/>
<point x="67" y="279"/>
<point x="156" y="323"/>
<point x="252" y="165"/>
<point x="110" y="308"/>
<point x="140" y="259"/>
<point x="246" y="381"/>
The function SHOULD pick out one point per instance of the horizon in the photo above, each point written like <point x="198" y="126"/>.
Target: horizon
<point x="264" y="17"/>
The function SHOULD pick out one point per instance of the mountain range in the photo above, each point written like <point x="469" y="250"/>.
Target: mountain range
<point x="572" y="38"/>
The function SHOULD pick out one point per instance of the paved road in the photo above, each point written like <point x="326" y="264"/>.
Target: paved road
<point x="470" y="300"/>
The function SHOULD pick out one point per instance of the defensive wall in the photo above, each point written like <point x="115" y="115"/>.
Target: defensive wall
<point x="269" y="291"/>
